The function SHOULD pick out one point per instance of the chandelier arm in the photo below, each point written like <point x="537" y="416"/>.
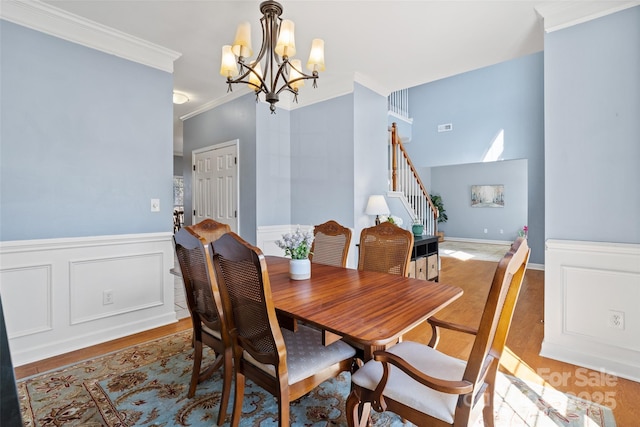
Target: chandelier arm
<point x="287" y="84"/>
<point x="281" y="73"/>
<point x="241" y="78"/>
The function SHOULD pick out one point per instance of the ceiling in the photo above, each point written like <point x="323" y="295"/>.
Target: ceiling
<point x="385" y="45"/>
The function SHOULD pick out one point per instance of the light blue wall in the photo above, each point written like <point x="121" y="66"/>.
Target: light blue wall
<point x="454" y="185"/>
<point x="371" y="145"/>
<point x="86" y="140"/>
<point x="273" y="166"/>
<point x="233" y="120"/>
<point x="322" y="136"/>
<point x="592" y="114"/>
<point x="507" y="98"/>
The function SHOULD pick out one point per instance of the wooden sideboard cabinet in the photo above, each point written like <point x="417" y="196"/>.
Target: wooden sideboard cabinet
<point x="424" y="258"/>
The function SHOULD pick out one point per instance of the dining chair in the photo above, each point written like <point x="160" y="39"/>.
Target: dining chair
<point x="207" y="315"/>
<point x="430" y="388"/>
<point x="330" y="244"/>
<point x="285" y="363"/>
<point x="209" y="229"/>
<point x="385" y="248"/>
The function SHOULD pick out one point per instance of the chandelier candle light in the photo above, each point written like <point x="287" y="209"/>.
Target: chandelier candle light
<point x="281" y="72"/>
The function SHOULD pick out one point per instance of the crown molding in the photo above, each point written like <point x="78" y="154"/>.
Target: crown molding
<point x="50" y="20"/>
<point x="370" y="83"/>
<point x="564" y="14"/>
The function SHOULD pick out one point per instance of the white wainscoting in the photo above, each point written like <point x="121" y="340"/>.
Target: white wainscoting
<point x="584" y="282"/>
<point x="53" y="291"/>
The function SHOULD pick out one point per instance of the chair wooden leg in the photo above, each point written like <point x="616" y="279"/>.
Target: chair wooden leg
<point x="283" y="409"/>
<point x="237" y="400"/>
<point x="357" y="412"/>
<point x="487" y="410"/>
<point x="197" y="361"/>
<point x="227" y="372"/>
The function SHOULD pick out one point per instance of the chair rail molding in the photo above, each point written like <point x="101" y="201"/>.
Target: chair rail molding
<point x="65" y="294"/>
<point x="587" y="285"/>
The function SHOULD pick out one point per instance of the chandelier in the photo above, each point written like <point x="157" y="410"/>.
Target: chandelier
<point x="281" y="72"/>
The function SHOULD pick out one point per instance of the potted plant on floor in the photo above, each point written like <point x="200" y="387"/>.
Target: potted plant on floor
<point x="436" y="199"/>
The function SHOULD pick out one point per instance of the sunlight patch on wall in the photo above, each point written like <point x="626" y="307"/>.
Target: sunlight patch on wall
<point x="496" y="149"/>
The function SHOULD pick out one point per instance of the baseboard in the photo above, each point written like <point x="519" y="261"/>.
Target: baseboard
<point x="622" y="369"/>
<point x="63" y="294"/>
<point x="489" y="242"/>
<point x="55" y="348"/>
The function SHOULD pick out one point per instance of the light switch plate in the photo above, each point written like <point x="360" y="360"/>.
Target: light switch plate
<point x="155" y="205"/>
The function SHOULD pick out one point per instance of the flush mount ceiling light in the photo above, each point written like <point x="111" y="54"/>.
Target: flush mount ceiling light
<point x="179" y="98"/>
<point x="281" y="72"/>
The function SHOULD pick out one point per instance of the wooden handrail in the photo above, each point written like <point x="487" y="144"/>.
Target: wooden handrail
<point x="397" y="146"/>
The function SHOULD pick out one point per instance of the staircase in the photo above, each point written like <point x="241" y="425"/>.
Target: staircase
<point x="405" y="180"/>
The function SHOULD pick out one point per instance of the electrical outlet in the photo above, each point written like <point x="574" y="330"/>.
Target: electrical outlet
<point x="485" y="231"/>
<point x="616" y="319"/>
<point x="107" y="297"/>
<point x="501" y="231"/>
<point x="155" y="205"/>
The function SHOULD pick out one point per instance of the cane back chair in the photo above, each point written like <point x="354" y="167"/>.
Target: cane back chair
<point x="430" y="388"/>
<point x="330" y="244"/>
<point x="385" y="248"/>
<point x="207" y="316"/>
<point x="285" y="363"/>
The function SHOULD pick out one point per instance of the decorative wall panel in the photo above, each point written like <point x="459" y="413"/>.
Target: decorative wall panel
<point x="592" y="295"/>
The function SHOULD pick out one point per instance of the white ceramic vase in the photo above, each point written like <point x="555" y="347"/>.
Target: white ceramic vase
<point x="299" y="269"/>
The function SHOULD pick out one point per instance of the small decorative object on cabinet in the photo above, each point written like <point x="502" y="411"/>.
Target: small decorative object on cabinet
<point x="424" y="258"/>
<point x="417" y="228"/>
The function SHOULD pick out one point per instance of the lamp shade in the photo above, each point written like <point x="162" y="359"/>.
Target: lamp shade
<point x="255" y="76"/>
<point x="316" y="56"/>
<point x="286" y="45"/>
<point x="228" y="66"/>
<point x="296" y="65"/>
<point x="242" y="42"/>
<point x="377" y="205"/>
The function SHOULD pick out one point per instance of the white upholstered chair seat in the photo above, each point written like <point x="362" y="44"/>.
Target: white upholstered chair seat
<point x="211" y="332"/>
<point x="305" y="354"/>
<point x="408" y="391"/>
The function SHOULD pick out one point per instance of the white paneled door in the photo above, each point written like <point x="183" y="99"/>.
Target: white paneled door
<point x="215" y="184"/>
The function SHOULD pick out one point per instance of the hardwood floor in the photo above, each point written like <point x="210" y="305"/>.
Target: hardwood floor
<point x="521" y="359"/>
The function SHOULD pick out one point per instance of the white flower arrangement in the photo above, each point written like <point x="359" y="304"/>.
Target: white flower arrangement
<point x="296" y="245"/>
<point x="394" y="220"/>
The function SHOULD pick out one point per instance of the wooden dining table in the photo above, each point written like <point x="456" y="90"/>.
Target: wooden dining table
<point x="370" y="308"/>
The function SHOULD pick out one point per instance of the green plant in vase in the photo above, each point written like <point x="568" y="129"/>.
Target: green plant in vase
<point x="436" y="199"/>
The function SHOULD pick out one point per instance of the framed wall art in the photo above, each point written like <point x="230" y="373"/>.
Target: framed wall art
<point x="487" y="196"/>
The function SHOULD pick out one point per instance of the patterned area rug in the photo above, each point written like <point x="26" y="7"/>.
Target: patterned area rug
<point x="146" y="385"/>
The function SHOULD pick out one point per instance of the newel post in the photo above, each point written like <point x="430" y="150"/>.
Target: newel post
<point x="394" y="157"/>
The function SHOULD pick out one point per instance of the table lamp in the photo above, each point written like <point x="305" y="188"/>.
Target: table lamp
<point x="377" y="206"/>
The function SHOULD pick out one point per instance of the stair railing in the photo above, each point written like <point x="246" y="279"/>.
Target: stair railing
<point x="405" y="179"/>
